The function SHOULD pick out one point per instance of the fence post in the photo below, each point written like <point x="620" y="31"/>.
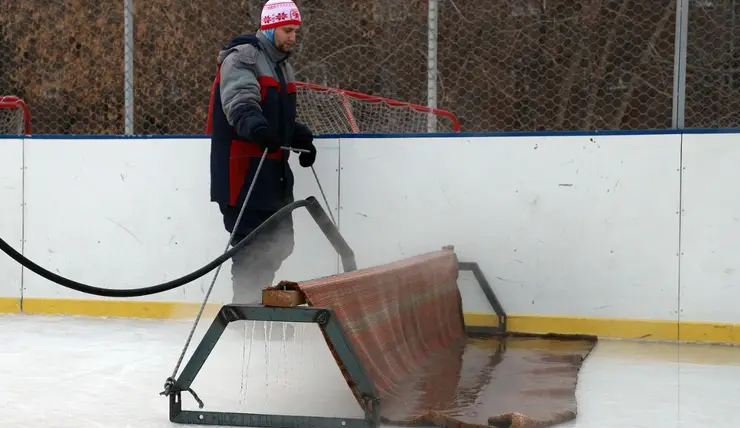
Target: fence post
<point x="679" y="69"/>
<point x="128" y="67"/>
<point x="432" y="63"/>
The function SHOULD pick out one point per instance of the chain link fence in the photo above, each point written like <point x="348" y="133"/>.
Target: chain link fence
<point x="713" y="64"/>
<point x="146" y="67"/>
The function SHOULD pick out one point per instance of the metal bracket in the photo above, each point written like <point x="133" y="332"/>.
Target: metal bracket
<point x="332" y="330"/>
<point x="490" y="295"/>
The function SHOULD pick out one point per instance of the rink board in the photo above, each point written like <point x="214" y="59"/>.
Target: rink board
<point x="577" y="233"/>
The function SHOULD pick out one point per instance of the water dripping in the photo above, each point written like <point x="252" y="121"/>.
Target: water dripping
<point x="268" y="336"/>
<point x="245" y="365"/>
<point x="284" y="345"/>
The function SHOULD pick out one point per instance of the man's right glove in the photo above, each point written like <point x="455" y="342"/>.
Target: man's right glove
<point x="266" y="139"/>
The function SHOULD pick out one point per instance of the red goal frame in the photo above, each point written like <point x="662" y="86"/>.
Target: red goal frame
<point x="13" y="102"/>
<point x="375" y="99"/>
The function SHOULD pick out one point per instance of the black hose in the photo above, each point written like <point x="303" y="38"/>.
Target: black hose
<point x="309" y="202"/>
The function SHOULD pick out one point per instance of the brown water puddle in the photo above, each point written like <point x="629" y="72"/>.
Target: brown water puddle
<point x="519" y="382"/>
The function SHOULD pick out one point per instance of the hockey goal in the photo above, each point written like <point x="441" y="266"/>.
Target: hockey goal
<point x="15" y="118"/>
<point x="336" y="111"/>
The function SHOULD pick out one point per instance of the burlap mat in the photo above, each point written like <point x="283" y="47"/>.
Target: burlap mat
<point x="405" y="323"/>
<point x="506" y="382"/>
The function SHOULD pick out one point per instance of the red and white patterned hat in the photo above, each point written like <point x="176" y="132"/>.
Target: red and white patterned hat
<point x="277" y="13"/>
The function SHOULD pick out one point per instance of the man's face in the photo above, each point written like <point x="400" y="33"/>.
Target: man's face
<point x="285" y="37"/>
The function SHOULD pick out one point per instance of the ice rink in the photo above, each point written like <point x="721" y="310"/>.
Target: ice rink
<point x="74" y="372"/>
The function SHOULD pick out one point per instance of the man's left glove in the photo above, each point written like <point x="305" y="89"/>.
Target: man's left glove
<point x="303" y="139"/>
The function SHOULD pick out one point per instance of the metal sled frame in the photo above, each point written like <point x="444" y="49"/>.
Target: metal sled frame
<point x="329" y="325"/>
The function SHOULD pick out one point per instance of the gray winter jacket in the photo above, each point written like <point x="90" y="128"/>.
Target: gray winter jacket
<point x="254" y="94"/>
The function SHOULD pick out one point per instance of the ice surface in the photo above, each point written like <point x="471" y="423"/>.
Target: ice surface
<point x="75" y="372"/>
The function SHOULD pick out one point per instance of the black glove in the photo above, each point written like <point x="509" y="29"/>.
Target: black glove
<point x="307" y="159"/>
<point x="303" y="139"/>
<point x="266" y="139"/>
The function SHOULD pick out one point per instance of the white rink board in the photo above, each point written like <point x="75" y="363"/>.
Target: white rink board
<point x="570" y="225"/>
<point x="130" y="213"/>
<point x="11" y="207"/>
<point x="710" y="232"/>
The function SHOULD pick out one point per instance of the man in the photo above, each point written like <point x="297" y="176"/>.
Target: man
<point x="253" y="108"/>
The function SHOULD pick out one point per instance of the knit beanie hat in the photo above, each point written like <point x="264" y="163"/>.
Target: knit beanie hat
<point x="277" y="13"/>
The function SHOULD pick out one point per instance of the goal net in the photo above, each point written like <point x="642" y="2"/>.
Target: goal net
<point x="15" y="118"/>
<point x="336" y="111"/>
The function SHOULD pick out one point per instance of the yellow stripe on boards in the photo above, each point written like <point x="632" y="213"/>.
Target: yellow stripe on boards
<point x="10" y="305"/>
<point x="118" y="308"/>
<point x="621" y="328"/>
<point x="690" y="331"/>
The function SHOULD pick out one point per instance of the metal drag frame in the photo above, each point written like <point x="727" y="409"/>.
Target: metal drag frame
<point x="256" y="312"/>
<point x="332" y="330"/>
